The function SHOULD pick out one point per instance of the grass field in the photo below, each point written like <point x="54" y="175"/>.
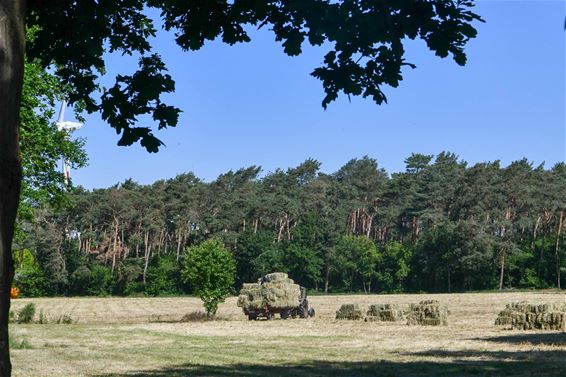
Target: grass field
<point x="142" y="337"/>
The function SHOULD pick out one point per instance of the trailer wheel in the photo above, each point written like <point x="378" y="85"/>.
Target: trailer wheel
<point x="311" y="312"/>
<point x="252" y="317"/>
<point x="285" y="314"/>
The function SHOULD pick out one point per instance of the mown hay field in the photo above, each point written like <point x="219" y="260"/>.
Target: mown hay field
<point x="143" y="337"/>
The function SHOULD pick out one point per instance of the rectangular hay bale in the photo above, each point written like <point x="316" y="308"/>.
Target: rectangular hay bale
<point x="427" y="313"/>
<point x="532" y="316"/>
<point x="349" y="311"/>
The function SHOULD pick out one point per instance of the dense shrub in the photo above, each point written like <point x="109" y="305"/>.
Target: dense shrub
<point x="128" y="278"/>
<point x="163" y="277"/>
<point x="100" y="281"/>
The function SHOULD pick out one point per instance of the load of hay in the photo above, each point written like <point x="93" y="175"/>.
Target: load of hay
<point x="276" y="276"/>
<point x="349" y="311"/>
<point x="528" y="316"/>
<point x="250" y="297"/>
<point x="276" y="291"/>
<point x="385" y="313"/>
<point x="279" y="291"/>
<point x="427" y="313"/>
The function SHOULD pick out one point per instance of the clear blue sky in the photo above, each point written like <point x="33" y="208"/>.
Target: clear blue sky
<point x="252" y="105"/>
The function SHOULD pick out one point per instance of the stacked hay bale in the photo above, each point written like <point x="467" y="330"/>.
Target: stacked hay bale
<point x="528" y="316"/>
<point x="349" y="311"/>
<point x="427" y="313"/>
<point x="250" y="297"/>
<point x="276" y="276"/>
<point x="277" y="291"/>
<point x="385" y="313"/>
<point x="280" y="292"/>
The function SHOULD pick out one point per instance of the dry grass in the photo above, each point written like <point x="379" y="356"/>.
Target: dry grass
<point x="131" y="337"/>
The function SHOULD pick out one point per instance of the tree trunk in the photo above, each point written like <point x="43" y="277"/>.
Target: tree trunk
<point x="146" y="256"/>
<point x="179" y="238"/>
<point x="281" y="227"/>
<point x="352" y="283"/>
<point x="535" y="234"/>
<point x="114" y="244"/>
<point x="541" y="256"/>
<point x="502" y="269"/>
<point x="368" y="230"/>
<point x="327" y="278"/>
<point x="415" y="228"/>
<point x="12" y="44"/>
<point x="557" y="249"/>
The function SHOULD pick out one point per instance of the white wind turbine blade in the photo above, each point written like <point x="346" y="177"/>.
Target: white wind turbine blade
<point x="62" y="111"/>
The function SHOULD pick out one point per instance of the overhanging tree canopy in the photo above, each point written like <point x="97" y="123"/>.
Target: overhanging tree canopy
<point x="365" y="39"/>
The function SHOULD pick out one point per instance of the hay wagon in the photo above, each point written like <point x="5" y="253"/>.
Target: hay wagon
<point x="301" y="310"/>
<point x="274" y="294"/>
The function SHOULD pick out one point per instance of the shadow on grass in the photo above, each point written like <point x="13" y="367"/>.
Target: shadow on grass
<point x="528" y="359"/>
<point x="539" y="339"/>
<point x="541" y="363"/>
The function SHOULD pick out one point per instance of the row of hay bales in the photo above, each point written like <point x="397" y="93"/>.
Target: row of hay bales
<point x="529" y="316"/>
<point x="517" y="315"/>
<point x="425" y="313"/>
<point x="275" y="290"/>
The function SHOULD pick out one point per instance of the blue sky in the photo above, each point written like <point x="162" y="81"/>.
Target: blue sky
<point x="252" y="105"/>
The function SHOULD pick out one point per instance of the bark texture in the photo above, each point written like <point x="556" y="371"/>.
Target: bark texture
<point x="12" y="43"/>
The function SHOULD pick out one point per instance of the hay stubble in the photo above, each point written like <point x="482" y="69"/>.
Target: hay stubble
<point x="120" y="336"/>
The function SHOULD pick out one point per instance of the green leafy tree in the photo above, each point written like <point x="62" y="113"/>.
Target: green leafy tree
<point x="483" y="217"/>
<point x="163" y="277"/>
<point x="305" y="254"/>
<point x="394" y="267"/>
<point x="250" y="247"/>
<point x="271" y="259"/>
<point x="100" y="283"/>
<point x="364" y="42"/>
<point x="358" y="258"/>
<point x="29" y="278"/>
<point x="43" y="185"/>
<point x="304" y="264"/>
<point x="128" y="278"/>
<point x="209" y="269"/>
<point x="42" y="146"/>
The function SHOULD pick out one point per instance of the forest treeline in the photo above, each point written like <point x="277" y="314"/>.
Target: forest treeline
<point x="439" y="226"/>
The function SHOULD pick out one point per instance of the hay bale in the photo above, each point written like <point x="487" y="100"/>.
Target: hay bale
<point x="427" y="313"/>
<point x="385" y="313"/>
<point x="532" y="316"/>
<point x="281" y="294"/>
<point x="276" y="276"/>
<point x="250" y="297"/>
<point x="349" y="311"/>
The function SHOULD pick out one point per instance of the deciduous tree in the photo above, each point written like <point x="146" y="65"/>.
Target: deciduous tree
<point x="210" y="271"/>
<point x="365" y="53"/>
